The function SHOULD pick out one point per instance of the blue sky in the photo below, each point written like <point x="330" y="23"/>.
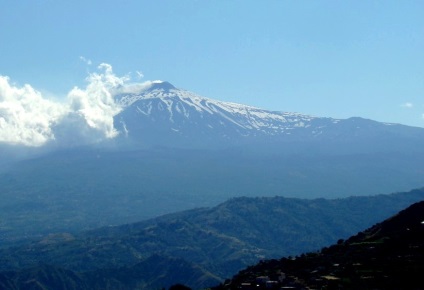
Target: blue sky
<point x="326" y="58"/>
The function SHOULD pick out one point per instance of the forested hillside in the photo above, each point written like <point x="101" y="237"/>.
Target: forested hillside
<point x="389" y="255"/>
<point x="214" y="242"/>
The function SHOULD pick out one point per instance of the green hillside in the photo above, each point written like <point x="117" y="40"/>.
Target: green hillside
<point x="217" y="241"/>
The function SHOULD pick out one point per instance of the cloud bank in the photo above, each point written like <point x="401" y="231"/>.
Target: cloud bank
<point x="85" y="116"/>
<point x="25" y="116"/>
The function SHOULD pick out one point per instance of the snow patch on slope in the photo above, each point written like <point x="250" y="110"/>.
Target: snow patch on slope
<point x="181" y="102"/>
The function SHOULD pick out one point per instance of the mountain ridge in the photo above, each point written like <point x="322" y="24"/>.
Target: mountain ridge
<point x="174" y="248"/>
<point x="219" y="240"/>
<point x="165" y="115"/>
<point x="388" y="255"/>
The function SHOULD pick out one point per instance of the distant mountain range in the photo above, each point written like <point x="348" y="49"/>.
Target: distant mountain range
<point x="198" y="247"/>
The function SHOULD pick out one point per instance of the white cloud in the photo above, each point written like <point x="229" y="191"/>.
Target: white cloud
<point x="28" y="118"/>
<point x="407" y="105"/>
<point x="25" y="116"/>
<point x="87" y="61"/>
<point x="140" y="74"/>
<point x="95" y="103"/>
<point x="135" y="88"/>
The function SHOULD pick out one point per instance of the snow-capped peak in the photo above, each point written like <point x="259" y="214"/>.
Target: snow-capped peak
<point x="123" y="91"/>
<point x="161" y="85"/>
<point x="162" y="114"/>
<point x="166" y="92"/>
<point x="162" y="101"/>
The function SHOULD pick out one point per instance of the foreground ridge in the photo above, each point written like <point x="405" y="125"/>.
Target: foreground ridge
<point x="389" y="255"/>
